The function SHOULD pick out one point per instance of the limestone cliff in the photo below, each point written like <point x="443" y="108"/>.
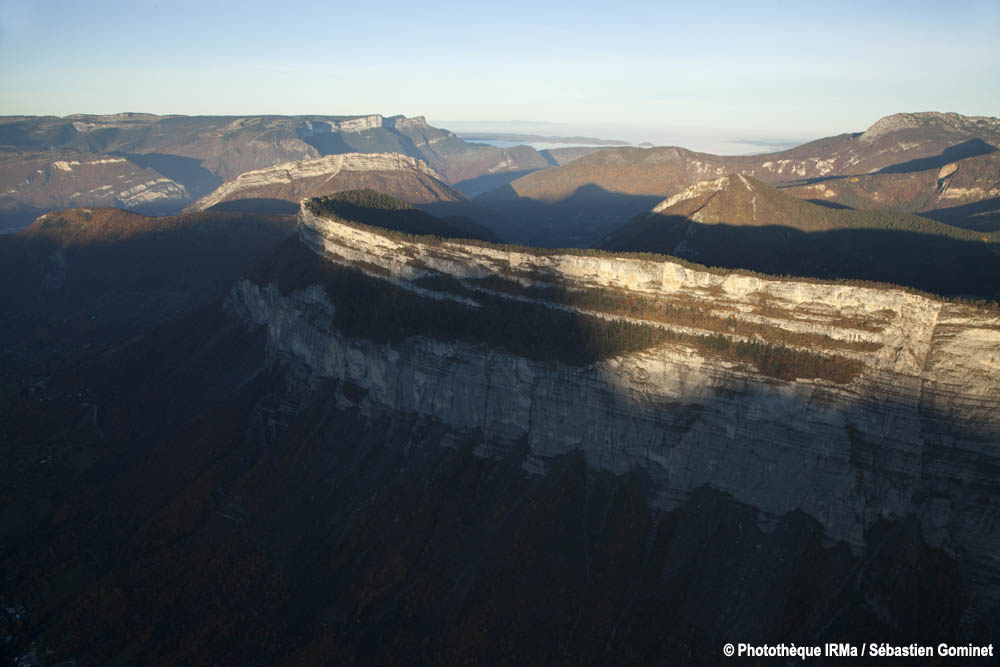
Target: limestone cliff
<point x="739" y="222"/>
<point x="915" y="434"/>
<point x="399" y="175"/>
<point x="40" y="181"/>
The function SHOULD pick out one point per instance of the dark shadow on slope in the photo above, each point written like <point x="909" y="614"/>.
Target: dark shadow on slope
<point x="185" y="170"/>
<point x="547" y="154"/>
<point x="807" y="181"/>
<point x="970" y="148"/>
<point x="327" y="528"/>
<point x="15" y="215"/>
<point x="827" y="203"/>
<point x="965" y="149"/>
<point x="980" y="216"/>
<point x="577" y="221"/>
<point x="32" y="134"/>
<point x="257" y="206"/>
<point x="473" y="187"/>
<point x="375" y="140"/>
<point x="936" y="264"/>
<point x="64" y="301"/>
<point x="100" y="139"/>
<point x="649" y="232"/>
<point x="477" y="222"/>
<point x="374" y="309"/>
<point x="328" y="143"/>
<point x="18" y="135"/>
<point x="195" y="477"/>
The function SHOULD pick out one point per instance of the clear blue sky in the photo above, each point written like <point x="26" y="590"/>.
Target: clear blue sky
<point x="790" y="69"/>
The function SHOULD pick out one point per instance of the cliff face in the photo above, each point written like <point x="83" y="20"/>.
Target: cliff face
<point x="915" y="434"/>
<point x="739" y="222"/>
<point x="402" y="176"/>
<point x="37" y="182"/>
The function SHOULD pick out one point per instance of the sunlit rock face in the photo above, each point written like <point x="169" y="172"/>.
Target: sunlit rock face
<point x="43" y="183"/>
<point x="408" y="177"/>
<point x="915" y="434"/>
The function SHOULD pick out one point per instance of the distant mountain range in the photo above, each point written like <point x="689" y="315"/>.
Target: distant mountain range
<point x="937" y="165"/>
<point x="539" y="138"/>
<point x="159" y="164"/>
<point x="578" y="203"/>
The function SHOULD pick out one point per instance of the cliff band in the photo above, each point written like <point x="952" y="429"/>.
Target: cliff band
<point x="915" y="433"/>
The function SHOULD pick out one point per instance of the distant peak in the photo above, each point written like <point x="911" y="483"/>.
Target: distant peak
<point x="951" y="121"/>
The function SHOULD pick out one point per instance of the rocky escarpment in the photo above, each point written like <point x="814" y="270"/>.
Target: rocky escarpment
<point x="39" y="182"/>
<point x="399" y="175"/>
<point x="914" y="433"/>
<point x="739" y="222"/>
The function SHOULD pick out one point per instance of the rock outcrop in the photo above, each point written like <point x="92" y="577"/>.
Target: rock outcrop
<point x="398" y="175"/>
<point x="37" y="181"/>
<point x="916" y="434"/>
<point x="739" y="222"/>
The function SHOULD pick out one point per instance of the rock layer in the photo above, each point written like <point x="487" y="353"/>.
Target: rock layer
<point x="916" y="434"/>
<point x="408" y="178"/>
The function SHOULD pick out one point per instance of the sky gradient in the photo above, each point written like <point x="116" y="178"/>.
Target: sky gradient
<point x="789" y="71"/>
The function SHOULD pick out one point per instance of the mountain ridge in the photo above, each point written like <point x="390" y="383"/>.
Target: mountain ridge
<point x="196" y="154"/>
<point x="377" y="434"/>
<point x="737" y="221"/>
<point x="552" y="202"/>
<point x="302" y="179"/>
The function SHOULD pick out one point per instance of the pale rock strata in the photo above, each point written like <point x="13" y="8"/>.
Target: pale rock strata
<point x="160" y="189"/>
<point x="916" y="434"/>
<point x="329" y="166"/>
